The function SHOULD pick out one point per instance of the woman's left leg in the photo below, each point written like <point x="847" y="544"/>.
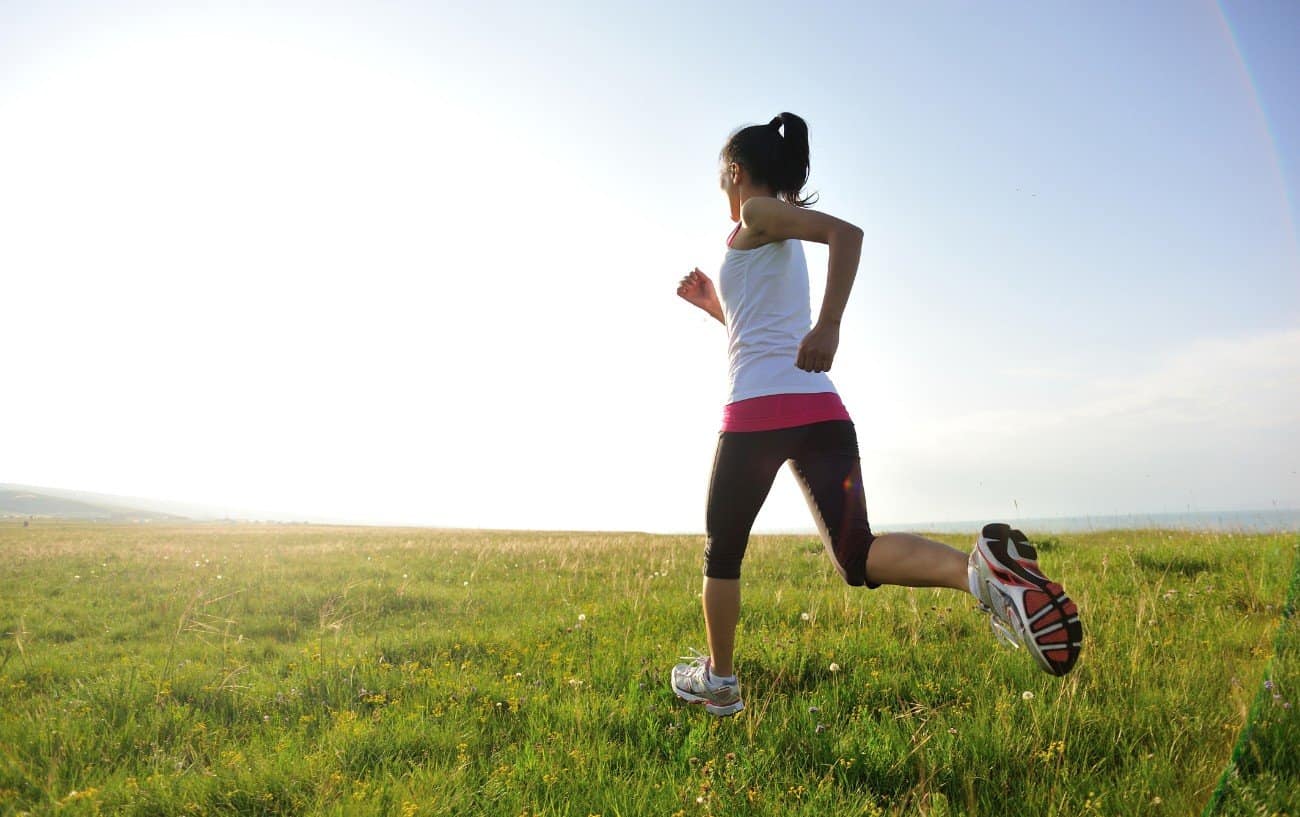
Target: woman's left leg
<point x="744" y="467"/>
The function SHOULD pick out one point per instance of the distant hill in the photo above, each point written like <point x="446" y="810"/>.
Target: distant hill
<point x="60" y="503"/>
<point x="25" y="501"/>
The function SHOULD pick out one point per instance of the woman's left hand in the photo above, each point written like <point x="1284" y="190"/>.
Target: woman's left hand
<point x="817" y="350"/>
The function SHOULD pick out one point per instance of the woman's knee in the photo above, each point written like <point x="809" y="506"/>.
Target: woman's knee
<point x="722" y="558"/>
<point x="850" y="553"/>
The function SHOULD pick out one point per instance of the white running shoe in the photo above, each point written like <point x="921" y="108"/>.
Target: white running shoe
<point x="691" y="683"/>
<point x="1027" y="609"/>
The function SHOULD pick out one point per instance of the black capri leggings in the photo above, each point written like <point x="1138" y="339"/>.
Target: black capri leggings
<point x="825" y="463"/>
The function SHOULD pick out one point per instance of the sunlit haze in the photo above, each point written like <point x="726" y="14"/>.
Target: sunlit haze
<point x="415" y="263"/>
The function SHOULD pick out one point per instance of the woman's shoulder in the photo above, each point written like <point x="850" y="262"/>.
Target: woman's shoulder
<point x="747" y="238"/>
<point x="750" y="233"/>
<point x="771" y="219"/>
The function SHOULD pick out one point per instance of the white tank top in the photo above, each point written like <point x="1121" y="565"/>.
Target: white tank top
<point x="764" y="295"/>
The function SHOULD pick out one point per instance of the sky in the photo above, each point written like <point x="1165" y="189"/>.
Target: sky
<point x="415" y="263"/>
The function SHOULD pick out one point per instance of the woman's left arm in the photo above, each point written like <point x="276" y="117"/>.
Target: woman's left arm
<point x="776" y="220"/>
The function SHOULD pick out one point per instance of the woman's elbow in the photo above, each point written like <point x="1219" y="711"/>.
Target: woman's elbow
<point x="848" y="234"/>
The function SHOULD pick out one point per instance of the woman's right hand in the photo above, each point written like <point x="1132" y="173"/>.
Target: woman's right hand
<point x="696" y="288"/>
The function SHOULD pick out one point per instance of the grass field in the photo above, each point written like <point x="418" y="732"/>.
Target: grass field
<point x="240" y="669"/>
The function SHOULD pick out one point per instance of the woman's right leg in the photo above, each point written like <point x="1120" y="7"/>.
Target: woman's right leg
<point x="828" y="469"/>
<point x="913" y="561"/>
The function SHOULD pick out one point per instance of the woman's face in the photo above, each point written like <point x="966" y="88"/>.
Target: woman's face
<point x="728" y="177"/>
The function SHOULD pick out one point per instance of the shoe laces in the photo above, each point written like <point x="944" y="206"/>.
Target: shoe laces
<point x="697" y="658"/>
<point x="1003" y="632"/>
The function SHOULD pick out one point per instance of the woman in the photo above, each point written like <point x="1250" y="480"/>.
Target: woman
<point x="783" y="407"/>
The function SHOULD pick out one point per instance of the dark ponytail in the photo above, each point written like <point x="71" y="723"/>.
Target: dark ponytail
<point x="780" y="162"/>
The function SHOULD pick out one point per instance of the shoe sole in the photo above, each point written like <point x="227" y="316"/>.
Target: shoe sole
<point x="713" y="709"/>
<point x="1046" y="618"/>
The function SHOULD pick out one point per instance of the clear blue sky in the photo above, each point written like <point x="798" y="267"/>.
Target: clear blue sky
<point x="415" y="263"/>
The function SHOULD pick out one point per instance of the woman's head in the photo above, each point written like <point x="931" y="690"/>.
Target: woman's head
<point x="774" y="155"/>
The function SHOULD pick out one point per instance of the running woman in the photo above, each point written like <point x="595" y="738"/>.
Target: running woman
<point x="783" y="407"/>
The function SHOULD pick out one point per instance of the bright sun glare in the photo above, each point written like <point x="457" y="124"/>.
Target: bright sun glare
<point x="398" y="266"/>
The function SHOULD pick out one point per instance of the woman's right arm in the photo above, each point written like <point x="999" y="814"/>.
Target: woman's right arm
<point x="696" y="288"/>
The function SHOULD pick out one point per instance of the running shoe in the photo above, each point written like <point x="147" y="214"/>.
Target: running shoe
<point x="691" y="683"/>
<point x="1025" y="607"/>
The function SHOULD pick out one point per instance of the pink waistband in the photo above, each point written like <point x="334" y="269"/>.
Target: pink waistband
<point x="774" y="411"/>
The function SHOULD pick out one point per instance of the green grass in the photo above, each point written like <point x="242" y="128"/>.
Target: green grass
<point x="1263" y="775"/>
<point x="150" y="670"/>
